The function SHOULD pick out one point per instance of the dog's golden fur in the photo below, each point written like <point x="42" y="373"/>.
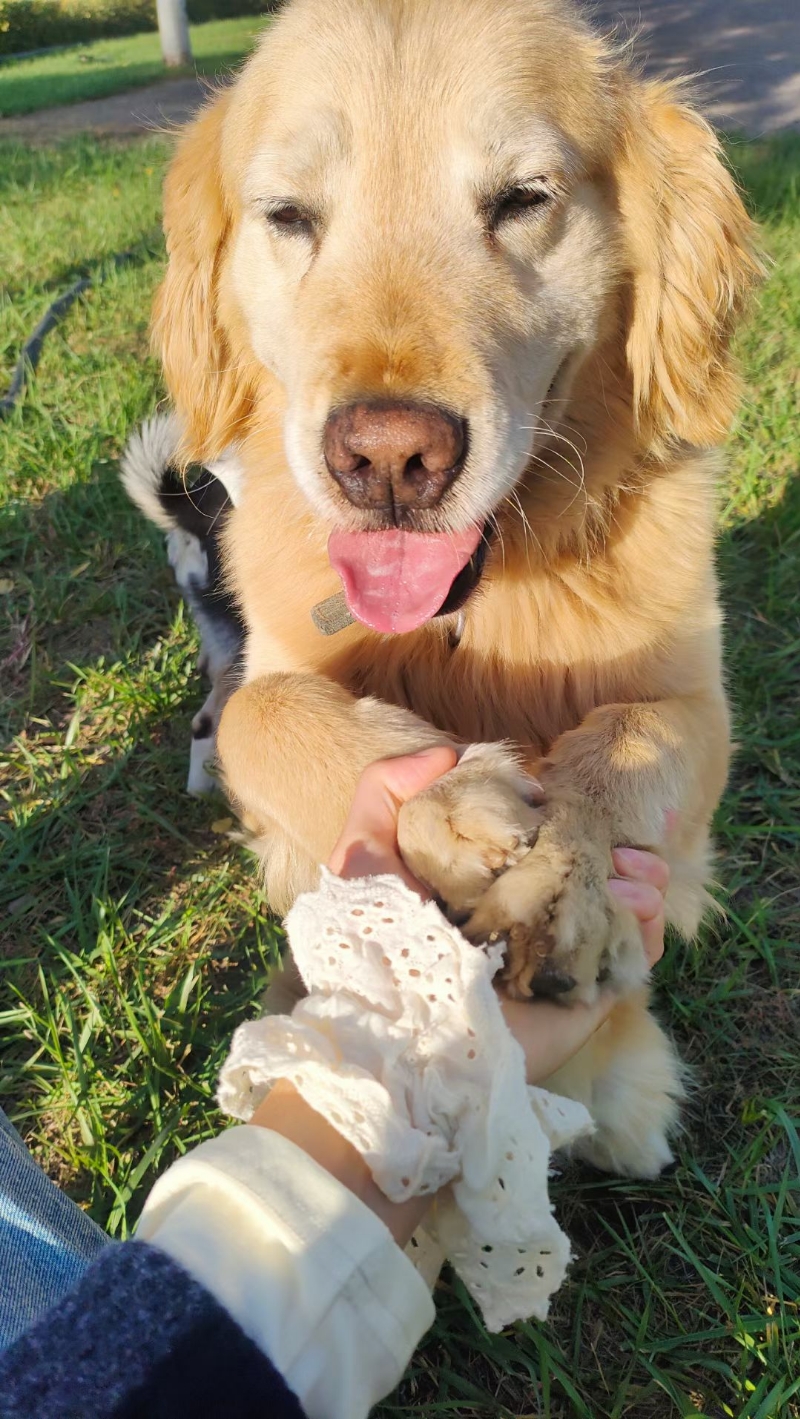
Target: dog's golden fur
<point x="589" y="349"/>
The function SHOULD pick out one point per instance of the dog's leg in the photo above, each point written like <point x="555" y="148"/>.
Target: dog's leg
<point x="629" y="1077"/>
<point x="201" y="752"/>
<point x="204" y="731"/>
<point x="292" y="748"/>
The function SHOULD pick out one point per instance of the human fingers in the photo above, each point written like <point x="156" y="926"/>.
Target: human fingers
<point x="641" y="885"/>
<point x="647" y="905"/>
<point x="637" y="865"/>
<point x="368" y="842"/>
<point x="653" y="938"/>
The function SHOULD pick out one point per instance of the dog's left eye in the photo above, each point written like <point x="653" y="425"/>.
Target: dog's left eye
<point x="517" y="202"/>
<point x="289" y="217"/>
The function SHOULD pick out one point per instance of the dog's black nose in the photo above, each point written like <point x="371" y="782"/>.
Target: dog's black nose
<point x="549" y="982"/>
<point x="391" y="456"/>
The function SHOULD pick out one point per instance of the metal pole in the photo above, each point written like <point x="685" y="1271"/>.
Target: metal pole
<point x="173" y="27"/>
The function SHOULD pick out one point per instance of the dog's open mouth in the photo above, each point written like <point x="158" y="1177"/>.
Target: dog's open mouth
<point x="396" y="581"/>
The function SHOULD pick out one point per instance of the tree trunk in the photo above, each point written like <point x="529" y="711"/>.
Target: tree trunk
<point x="173" y="27"/>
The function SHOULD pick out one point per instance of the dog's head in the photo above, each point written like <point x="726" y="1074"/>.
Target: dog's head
<point x="422" y="224"/>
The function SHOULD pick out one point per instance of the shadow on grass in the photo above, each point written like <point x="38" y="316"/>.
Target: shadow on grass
<point x="134" y="937"/>
<point x="96" y="266"/>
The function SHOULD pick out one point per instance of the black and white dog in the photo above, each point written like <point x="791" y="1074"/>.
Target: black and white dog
<point x="192" y="509"/>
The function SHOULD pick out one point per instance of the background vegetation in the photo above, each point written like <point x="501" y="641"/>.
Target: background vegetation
<point x="39" y="24"/>
<point x="110" y="66"/>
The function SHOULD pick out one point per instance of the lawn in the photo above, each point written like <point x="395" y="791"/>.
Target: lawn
<point x="134" y="937"/>
<point x="107" y="66"/>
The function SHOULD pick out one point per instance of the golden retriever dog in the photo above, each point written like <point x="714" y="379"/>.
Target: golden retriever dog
<point x="459" y="287"/>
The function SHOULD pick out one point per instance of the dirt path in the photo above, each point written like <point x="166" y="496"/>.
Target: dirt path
<point x="748" y="50"/>
<point x="156" y="106"/>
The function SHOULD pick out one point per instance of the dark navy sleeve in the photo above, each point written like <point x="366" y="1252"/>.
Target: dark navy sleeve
<point x="138" y="1338"/>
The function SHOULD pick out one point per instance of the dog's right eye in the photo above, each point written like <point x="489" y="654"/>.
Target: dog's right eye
<point x="517" y="202"/>
<point x="289" y="217"/>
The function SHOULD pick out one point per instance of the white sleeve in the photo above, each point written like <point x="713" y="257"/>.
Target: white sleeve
<point x="307" y="1271"/>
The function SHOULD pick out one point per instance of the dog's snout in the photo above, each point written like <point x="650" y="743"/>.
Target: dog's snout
<point x="394" y="456"/>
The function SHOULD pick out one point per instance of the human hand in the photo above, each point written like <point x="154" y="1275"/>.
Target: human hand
<point x="549" y="1033"/>
<point x="368" y="842"/>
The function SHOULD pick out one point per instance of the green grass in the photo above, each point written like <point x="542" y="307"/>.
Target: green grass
<point x="134" y="937"/>
<point x="108" y="66"/>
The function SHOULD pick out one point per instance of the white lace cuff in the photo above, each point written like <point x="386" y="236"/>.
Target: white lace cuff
<point x="402" y="1045"/>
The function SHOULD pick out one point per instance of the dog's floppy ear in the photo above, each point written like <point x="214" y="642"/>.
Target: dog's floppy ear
<point x="206" y="373"/>
<point x="691" y="253"/>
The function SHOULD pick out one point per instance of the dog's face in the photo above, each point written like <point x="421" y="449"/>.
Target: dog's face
<point x="424" y="220"/>
<point x="418" y="229"/>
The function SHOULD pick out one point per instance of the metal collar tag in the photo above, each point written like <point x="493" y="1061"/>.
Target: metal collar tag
<point x="332" y="615"/>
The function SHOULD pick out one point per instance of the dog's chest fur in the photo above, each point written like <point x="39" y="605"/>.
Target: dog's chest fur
<point x="541" y="645"/>
<point x="509" y="676"/>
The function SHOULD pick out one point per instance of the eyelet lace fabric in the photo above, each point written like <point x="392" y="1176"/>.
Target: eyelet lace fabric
<point x="401" y="1044"/>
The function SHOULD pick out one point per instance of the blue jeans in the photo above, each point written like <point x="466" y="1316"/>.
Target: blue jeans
<point x="46" y="1241"/>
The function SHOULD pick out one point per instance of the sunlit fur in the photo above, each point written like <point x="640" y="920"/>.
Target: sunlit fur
<point x="588" y="345"/>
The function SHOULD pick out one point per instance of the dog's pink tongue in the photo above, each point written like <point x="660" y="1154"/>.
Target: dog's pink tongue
<point x="396" y="581"/>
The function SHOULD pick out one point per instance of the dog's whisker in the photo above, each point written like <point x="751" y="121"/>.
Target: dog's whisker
<point x="580" y="471"/>
<point x="528" y="534"/>
<point x="560" y="475"/>
<point x="494" y="520"/>
<point x="542" y="425"/>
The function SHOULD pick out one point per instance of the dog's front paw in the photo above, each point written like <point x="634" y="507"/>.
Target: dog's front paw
<point x="472" y="824"/>
<point x="565" y="931"/>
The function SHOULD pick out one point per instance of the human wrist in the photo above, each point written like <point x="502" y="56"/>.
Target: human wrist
<point x="550" y="1034"/>
<point x="286" y="1112"/>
